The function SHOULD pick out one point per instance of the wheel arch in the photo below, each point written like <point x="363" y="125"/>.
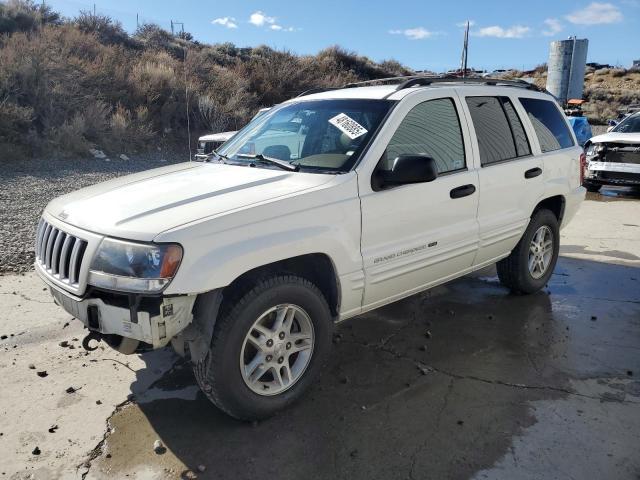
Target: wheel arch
<point x="318" y="268"/>
<point x="555" y="204"/>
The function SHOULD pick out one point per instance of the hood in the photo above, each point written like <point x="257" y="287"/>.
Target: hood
<point x="217" y="137"/>
<point x="141" y="206"/>
<point x="616" y="137"/>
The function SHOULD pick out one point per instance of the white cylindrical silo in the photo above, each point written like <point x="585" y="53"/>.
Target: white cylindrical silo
<point x="566" y="66"/>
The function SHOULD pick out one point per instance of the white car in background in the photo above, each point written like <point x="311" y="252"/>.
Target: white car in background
<point x="614" y="157"/>
<point x="207" y="144"/>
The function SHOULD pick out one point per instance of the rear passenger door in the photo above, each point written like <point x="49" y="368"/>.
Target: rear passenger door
<point x="510" y="176"/>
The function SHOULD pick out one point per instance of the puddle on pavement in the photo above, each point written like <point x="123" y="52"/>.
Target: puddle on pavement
<point x="495" y="363"/>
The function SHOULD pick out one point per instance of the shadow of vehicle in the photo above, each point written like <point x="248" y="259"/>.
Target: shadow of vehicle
<point x="611" y="193"/>
<point x="432" y="386"/>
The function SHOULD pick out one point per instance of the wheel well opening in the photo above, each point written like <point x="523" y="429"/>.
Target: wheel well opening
<point x="316" y="267"/>
<point x="555" y="204"/>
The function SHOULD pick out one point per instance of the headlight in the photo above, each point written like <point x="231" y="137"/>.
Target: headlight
<point x="134" y="267"/>
<point x="594" y="149"/>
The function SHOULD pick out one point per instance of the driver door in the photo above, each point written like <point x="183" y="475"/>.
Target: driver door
<point x="418" y="235"/>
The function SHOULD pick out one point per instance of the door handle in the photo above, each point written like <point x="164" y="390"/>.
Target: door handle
<point x="533" y="172"/>
<point x="462" y="191"/>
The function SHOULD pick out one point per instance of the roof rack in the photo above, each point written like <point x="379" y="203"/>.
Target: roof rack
<point x="425" y="80"/>
<point x="318" y="90"/>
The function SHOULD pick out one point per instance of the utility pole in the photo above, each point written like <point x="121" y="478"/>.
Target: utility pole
<point x="465" y="49"/>
<point x="174" y="24"/>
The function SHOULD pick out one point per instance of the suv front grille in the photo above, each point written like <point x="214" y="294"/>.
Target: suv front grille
<point x="59" y="253"/>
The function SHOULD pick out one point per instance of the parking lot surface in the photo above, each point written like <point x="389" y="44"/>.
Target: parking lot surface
<point x="463" y="381"/>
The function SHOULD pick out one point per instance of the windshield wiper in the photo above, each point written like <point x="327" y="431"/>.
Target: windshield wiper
<point x="224" y="157"/>
<point x="274" y="161"/>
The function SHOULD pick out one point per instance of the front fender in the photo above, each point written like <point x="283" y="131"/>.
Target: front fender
<point x="219" y="250"/>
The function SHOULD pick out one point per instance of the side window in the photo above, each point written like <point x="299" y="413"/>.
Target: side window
<point x="551" y="129"/>
<point x="519" y="137"/>
<point x="431" y="128"/>
<point x="498" y="129"/>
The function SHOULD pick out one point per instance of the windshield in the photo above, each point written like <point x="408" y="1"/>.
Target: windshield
<point x="629" y="125"/>
<point x="324" y="135"/>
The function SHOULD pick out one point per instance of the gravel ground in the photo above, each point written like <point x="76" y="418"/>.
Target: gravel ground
<point x="27" y="186"/>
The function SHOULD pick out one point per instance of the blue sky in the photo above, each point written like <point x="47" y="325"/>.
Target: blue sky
<point x="420" y="34"/>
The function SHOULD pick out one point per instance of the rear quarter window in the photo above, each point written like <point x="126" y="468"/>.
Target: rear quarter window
<point x="549" y="124"/>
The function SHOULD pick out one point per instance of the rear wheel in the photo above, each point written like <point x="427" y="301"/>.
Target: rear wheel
<point x="530" y="264"/>
<point x="267" y="348"/>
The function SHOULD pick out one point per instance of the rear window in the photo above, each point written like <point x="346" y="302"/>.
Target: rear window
<point x="551" y="129"/>
<point x="498" y="128"/>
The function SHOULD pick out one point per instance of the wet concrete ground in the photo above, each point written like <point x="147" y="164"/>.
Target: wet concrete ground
<point x="463" y="381"/>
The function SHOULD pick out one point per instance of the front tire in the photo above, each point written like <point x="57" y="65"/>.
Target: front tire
<point x="530" y="265"/>
<point x="267" y="348"/>
<point x="592" y="187"/>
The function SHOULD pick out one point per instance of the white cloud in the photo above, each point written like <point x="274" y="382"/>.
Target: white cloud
<point x="417" y="33"/>
<point x="259" y="19"/>
<point x="517" y="31"/>
<point x="596" y="13"/>
<point x="554" y="26"/>
<point x="228" y="22"/>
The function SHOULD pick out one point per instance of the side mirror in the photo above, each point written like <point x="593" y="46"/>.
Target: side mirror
<point x="409" y="168"/>
<point x="612" y="123"/>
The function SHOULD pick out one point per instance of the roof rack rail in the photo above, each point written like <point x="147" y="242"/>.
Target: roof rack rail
<point x="317" y="90"/>
<point x="381" y="81"/>
<point x="425" y="80"/>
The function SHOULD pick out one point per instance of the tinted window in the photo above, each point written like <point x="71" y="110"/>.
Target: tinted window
<point x="630" y="124"/>
<point x="519" y="137"/>
<point x="549" y="124"/>
<point x="431" y="128"/>
<point x="498" y="129"/>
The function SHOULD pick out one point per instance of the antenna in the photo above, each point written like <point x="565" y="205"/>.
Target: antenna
<point x="186" y="94"/>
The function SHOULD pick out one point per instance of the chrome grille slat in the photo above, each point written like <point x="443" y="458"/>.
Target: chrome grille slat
<point x="59" y="253"/>
<point x="50" y="240"/>
<point x="55" y="268"/>
<point x="43" y="244"/>
<point x="41" y="228"/>
<point x="64" y="256"/>
<point x="74" y="263"/>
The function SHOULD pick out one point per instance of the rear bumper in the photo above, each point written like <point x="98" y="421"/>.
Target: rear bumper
<point x="152" y="320"/>
<point x="572" y="204"/>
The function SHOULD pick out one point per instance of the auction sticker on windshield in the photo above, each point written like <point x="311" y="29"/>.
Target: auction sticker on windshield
<point x="348" y="125"/>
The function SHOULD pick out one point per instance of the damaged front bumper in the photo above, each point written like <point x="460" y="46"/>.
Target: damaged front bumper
<point x="613" y="173"/>
<point x="152" y="320"/>
<point x="613" y="163"/>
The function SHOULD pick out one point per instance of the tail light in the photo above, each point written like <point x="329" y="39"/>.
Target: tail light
<point x="583" y="165"/>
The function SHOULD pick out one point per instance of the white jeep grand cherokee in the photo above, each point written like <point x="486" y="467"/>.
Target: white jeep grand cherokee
<point x="246" y="262"/>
